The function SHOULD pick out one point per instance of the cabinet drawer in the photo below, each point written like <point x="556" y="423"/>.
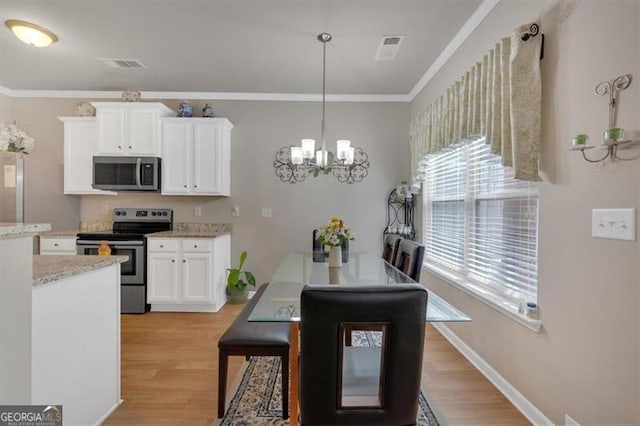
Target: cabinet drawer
<point x="196" y="246"/>
<point x="58" y="245"/>
<point x="159" y="245"/>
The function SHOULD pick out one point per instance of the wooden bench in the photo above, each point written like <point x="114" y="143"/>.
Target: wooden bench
<point x="244" y="338"/>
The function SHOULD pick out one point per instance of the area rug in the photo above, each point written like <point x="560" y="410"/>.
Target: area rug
<point x="258" y="399"/>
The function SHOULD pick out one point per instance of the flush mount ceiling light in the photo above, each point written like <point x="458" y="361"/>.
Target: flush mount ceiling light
<point x="295" y="163"/>
<point x="32" y="34"/>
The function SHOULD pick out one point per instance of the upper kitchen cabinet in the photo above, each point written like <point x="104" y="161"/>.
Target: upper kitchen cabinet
<point x="130" y="128"/>
<point x="80" y="145"/>
<point x="196" y="156"/>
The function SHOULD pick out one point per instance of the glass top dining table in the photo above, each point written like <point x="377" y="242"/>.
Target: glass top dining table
<point x="281" y="300"/>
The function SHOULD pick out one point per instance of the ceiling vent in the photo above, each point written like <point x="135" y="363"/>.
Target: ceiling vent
<point x="388" y="48"/>
<point x="122" y="63"/>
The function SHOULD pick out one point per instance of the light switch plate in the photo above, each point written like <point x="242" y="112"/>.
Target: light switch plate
<point x="266" y="212"/>
<point x="615" y="224"/>
<point x="235" y="211"/>
<point x="197" y="211"/>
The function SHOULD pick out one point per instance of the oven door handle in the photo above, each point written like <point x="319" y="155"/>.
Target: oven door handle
<point x="138" y="168"/>
<point x="95" y="243"/>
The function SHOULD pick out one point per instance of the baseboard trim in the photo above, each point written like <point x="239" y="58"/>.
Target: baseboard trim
<point x="109" y="412"/>
<point x="522" y="404"/>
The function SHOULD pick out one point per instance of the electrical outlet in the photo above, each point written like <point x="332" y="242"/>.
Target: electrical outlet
<point x="105" y="209"/>
<point x="235" y="211"/>
<point x="266" y="212"/>
<point x="197" y="211"/>
<point x="615" y="224"/>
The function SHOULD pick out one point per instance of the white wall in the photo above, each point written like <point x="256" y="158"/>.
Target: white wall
<point x="585" y="362"/>
<point x="262" y="128"/>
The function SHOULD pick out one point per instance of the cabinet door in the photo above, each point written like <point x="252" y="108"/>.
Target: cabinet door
<point x="80" y="145"/>
<point x="176" y="158"/>
<point x="162" y="278"/>
<point x="196" y="277"/>
<point x="142" y="132"/>
<point x="111" y="130"/>
<point x="207" y="158"/>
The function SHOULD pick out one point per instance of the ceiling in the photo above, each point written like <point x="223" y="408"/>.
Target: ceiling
<point x="240" y="46"/>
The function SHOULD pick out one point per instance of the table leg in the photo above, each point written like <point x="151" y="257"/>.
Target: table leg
<point x="294" y="353"/>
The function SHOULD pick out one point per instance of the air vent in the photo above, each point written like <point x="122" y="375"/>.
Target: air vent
<point x="388" y="47"/>
<point x="122" y="63"/>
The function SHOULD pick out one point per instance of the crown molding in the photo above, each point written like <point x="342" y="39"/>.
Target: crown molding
<point x="208" y="96"/>
<point x="465" y="32"/>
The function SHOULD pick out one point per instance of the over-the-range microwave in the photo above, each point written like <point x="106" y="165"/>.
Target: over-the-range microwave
<point x="126" y="173"/>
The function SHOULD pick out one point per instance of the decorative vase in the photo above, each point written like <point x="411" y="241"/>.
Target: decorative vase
<point x="207" y="111"/>
<point x="185" y="110"/>
<point x="335" y="256"/>
<point x="236" y="295"/>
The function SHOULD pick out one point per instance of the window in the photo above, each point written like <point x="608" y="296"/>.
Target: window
<point x="480" y="223"/>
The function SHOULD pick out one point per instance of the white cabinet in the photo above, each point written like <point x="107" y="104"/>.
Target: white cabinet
<point x="187" y="275"/>
<point x="129" y="128"/>
<point x="196" y="156"/>
<point x="80" y="145"/>
<point x="58" y="245"/>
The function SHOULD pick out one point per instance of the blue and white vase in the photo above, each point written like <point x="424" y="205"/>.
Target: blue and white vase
<point x="185" y="110"/>
<point x="207" y="111"/>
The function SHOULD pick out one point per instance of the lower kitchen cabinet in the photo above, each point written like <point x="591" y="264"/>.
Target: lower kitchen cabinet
<point x="58" y="245"/>
<point x="187" y="275"/>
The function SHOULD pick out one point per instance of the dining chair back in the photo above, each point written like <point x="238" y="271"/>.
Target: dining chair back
<point x="409" y="258"/>
<point x="390" y="247"/>
<point x="320" y="254"/>
<point x="361" y="385"/>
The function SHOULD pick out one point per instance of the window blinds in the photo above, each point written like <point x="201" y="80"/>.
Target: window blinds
<point x="480" y="221"/>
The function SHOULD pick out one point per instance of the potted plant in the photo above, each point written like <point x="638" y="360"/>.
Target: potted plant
<point x="238" y="280"/>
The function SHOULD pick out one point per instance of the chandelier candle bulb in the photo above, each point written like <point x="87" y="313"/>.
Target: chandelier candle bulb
<point x="342" y="147"/>
<point x="297" y="155"/>
<point x="351" y="152"/>
<point x="308" y="148"/>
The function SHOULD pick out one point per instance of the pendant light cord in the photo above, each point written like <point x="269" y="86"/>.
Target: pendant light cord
<point x="324" y="79"/>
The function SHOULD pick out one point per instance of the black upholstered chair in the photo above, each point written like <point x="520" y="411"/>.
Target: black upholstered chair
<point x="390" y="248"/>
<point x="334" y="378"/>
<point x="319" y="253"/>
<point x="409" y="258"/>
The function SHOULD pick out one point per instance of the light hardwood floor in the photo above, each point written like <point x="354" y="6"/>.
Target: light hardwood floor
<point x="170" y="374"/>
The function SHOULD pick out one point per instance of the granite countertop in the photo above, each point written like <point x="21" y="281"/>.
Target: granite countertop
<point x="188" y="234"/>
<point x="51" y="268"/>
<point x="60" y="234"/>
<point x="17" y="229"/>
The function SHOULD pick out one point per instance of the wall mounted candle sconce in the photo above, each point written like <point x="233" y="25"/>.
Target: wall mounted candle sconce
<point x="614" y="136"/>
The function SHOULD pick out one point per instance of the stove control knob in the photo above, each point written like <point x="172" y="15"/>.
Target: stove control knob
<point x="118" y="213"/>
<point x="164" y="213"/>
<point x="158" y="213"/>
<point x="153" y="213"/>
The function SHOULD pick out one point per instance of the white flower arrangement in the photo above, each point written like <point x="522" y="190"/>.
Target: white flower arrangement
<point x="15" y="139"/>
<point x="334" y="233"/>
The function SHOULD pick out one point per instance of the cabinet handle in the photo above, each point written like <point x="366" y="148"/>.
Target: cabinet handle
<point x="130" y="147"/>
<point x="55" y="244"/>
<point x="185" y="186"/>
<point x="184" y="260"/>
<point x="195" y="186"/>
<point x="161" y="245"/>
<point x="195" y="246"/>
<point x="173" y="261"/>
<point x="119" y="146"/>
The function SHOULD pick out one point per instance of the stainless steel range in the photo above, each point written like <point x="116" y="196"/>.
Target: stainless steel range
<point x="128" y="238"/>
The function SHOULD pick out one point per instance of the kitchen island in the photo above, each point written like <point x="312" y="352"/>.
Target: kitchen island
<point x="60" y="330"/>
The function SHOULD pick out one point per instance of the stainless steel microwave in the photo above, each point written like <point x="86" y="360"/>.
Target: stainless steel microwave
<point x="126" y="173"/>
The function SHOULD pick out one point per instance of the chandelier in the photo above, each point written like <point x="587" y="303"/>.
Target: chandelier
<point x="295" y="163"/>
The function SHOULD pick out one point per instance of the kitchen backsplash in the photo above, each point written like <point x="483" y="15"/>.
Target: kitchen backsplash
<point x="199" y="226"/>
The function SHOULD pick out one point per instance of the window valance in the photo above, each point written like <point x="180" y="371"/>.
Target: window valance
<point x="499" y="99"/>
